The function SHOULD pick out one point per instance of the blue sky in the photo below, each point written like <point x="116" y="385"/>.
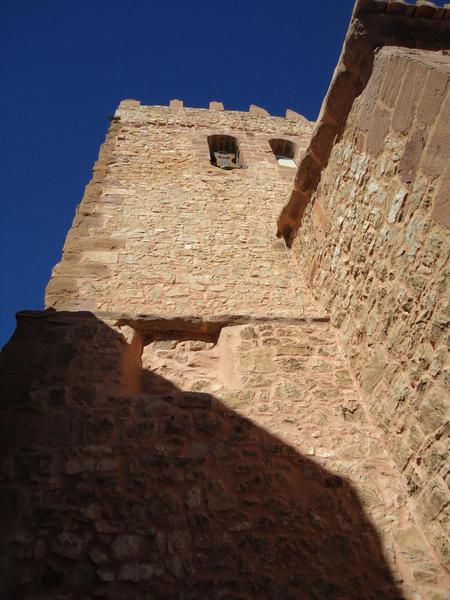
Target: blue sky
<point x="66" y="64"/>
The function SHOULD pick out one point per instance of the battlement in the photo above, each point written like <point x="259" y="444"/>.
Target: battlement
<point x="421" y="9"/>
<point x="214" y="105"/>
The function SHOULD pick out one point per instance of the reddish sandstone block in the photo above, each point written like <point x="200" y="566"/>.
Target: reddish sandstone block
<point x="366" y="103"/>
<point x="60" y="285"/>
<point x="308" y="175"/>
<point x="435" y="160"/>
<point x="440" y="212"/>
<point x="426" y="9"/>
<point x="341" y="95"/>
<point x="323" y="139"/>
<point x="378" y="130"/>
<point x="406" y="102"/>
<point x="399" y="7"/>
<point x="356" y="54"/>
<point x="176" y="104"/>
<point x="393" y="72"/>
<point x="290" y="215"/>
<point x="370" y="7"/>
<point x="433" y="95"/>
<point x="412" y="154"/>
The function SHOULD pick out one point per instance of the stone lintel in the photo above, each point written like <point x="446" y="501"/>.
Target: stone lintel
<point x="209" y="324"/>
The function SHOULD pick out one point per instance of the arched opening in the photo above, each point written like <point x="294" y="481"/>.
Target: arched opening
<point x="284" y="151"/>
<point x="224" y="152"/>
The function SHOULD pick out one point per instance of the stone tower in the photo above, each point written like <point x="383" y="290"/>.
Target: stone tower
<point x="201" y="413"/>
<point x="162" y="230"/>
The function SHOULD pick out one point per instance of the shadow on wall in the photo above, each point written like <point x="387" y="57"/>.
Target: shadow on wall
<point x="159" y="493"/>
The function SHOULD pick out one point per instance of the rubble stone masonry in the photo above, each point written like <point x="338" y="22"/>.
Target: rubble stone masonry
<point x="188" y="420"/>
<point x="204" y="439"/>
<point x="160" y="229"/>
<point x="375" y="247"/>
<point x="175" y="465"/>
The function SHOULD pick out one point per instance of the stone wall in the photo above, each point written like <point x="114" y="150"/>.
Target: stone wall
<point x="374" y="24"/>
<point x="375" y="247"/>
<point x="196" y="437"/>
<point x="189" y="466"/>
<point x="161" y="230"/>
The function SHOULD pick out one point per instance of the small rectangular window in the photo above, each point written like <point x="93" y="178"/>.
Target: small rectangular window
<point x="224" y="152"/>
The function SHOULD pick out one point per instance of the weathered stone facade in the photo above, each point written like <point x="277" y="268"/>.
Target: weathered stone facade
<point x="145" y="462"/>
<point x="376" y="248"/>
<point x="162" y="230"/>
<point x="186" y="420"/>
<point x="375" y="24"/>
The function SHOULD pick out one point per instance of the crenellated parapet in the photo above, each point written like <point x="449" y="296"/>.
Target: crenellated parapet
<point x="215" y="105"/>
<point x="419" y="9"/>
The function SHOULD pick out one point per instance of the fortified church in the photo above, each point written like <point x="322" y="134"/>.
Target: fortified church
<point x="239" y="388"/>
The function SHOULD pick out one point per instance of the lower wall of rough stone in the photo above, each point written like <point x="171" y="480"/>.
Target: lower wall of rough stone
<point x="187" y="467"/>
<point x="375" y="246"/>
